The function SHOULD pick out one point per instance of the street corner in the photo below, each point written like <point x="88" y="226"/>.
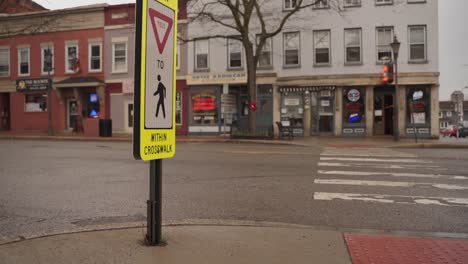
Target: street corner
<point x="385" y="249"/>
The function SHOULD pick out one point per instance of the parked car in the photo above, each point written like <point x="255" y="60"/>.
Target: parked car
<point x="450" y="131"/>
<point x="463" y="132"/>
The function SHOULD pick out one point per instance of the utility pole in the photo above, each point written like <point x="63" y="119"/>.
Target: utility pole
<point x="395" y="48"/>
<point x="48" y="67"/>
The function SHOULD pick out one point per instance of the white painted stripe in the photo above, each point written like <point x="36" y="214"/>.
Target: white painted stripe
<point x="341" y="154"/>
<point x="401" y="199"/>
<point x="391" y="184"/>
<point x="380" y="165"/>
<point x="378" y="160"/>
<point x="394" y="174"/>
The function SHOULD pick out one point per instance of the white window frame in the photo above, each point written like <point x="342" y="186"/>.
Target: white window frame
<point x="66" y="56"/>
<point x="441" y="114"/>
<point x="290" y="4"/>
<point x="43" y="49"/>
<point x="424" y="43"/>
<point x="229" y="41"/>
<point x="322" y="4"/>
<point x="90" y="47"/>
<point x="378" y="47"/>
<point x="449" y="113"/>
<point x="315" y="48"/>
<point x="352" y="3"/>
<point x="384" y="2"/>
<point x="114" y="70"/>
<point x="207" y="55"/>
<point x="20" y="49"/>
<point x="270" y="41"/>
<point x="360" y="47"/>
<point x="298" y="49"/>
<point x="7" y="49"/>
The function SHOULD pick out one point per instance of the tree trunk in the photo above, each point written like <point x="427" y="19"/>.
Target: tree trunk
<point x="251" y="87"/>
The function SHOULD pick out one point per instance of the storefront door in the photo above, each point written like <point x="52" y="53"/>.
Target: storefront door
<point x="383" y="114"/>
<point x="72" y="113"/>
<point x="128" y="126"/>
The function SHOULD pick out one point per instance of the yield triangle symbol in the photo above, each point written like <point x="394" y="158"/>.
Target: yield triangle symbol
<point x="162" y="26"/>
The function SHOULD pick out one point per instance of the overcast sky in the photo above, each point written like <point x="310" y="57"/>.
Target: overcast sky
<point x="453" y="39"/>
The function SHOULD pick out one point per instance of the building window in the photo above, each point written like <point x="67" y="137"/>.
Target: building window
<point x="383" y="2"/>
<point x="354" y="108"/>
<point x="353" y="46"/>
<point x="291" y="48"/>
<point x="289" y="4"/>
<point x="352" y="3"/>
<point x="71" y="57"/>
<point x="178" y="116"/>
<point x="95" y="61"/>
<point x="35" y="103"/>
<point x="201" y="54"/>
<point x="441" y="114"/>
<point x="204" y="107"/>
<point x="322" y="4"/>
<point x="384" y="37"/>
<point x="44" y="66"/>
<point x="416" y="1"/>
<point x="449" y="113"/>
<point x="292" y="110"/>
<point x="264" y="58"/>
<point x="418" y="112"/>
<point x="119" y="60"/>
<point x="322" y="47"/>
<point x="4" y="62"/>
<point x="23" y="61"/>
<point x="417" y="43"/>
<point x="235" y="54"/>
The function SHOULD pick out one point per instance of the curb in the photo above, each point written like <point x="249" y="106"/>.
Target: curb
<point x="432" y="146"/>
<point x="239" y="223"/>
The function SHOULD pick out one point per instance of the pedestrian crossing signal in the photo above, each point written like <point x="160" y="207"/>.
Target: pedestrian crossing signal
<point x="387" y="73"/>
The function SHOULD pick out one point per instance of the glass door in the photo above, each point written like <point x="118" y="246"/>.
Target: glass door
<point x="72" y="113"/>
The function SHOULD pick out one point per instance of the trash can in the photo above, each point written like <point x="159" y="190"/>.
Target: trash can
<point x="105" y="127"/>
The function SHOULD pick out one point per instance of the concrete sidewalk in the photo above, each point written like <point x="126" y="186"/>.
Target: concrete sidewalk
<point x="317" y="141"/>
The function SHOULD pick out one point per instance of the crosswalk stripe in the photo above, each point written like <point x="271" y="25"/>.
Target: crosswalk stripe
<point x="390" y="184"/>
<point x="377" y="160"/>
<point x="379" y="165"/>
<point x="394" y="174"/>
<point x="445" y="201"/>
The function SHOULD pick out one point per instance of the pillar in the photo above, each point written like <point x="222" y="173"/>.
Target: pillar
<point x="276" y="108"/>
<point x="338" y="111"/>
<point x="402" y="110"/>
<point x="435" y="111"/>
<point x="307" y="114"/>
<point x="369" y="111"/>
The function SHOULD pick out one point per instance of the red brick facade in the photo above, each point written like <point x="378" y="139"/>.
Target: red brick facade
<point x="19" y="6"/>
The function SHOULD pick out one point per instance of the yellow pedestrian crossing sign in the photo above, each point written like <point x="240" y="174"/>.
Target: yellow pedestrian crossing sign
<point x="155" y="79"/>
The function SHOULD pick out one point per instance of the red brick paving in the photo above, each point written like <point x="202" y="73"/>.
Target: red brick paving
<point x="372" y="249"/>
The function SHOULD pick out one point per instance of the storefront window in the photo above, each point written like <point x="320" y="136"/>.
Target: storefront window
<point x="353" y="105"/>
<point x="292" y="111"/>
<point x="204" y="108"/>
<point x="178" y="108"/>
<point x="92" y="105"/>
<point x="35" y="103"/>
<point x="418" y="105"/>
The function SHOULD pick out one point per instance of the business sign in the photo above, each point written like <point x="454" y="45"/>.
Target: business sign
<point x="354" y="95"/>
<point x="155" y="81"/>
<point x="32" y="85"/>
<point x="217" y="78"/>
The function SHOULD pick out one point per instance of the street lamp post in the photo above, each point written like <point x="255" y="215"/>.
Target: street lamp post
<point x="48" y="67"/>
<point x="395" y="49"/>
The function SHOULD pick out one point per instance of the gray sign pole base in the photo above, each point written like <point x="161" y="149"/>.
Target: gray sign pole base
<point x="153" y="227"/>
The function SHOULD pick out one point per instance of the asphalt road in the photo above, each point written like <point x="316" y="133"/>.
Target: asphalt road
<point x="49" y="187"/>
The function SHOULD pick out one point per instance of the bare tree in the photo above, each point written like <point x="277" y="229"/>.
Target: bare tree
<point x="238" y="20"/>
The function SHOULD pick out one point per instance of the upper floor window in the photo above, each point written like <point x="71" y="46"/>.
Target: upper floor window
<point x="95" y="61"/>
<point x="351" y="3"/>
<point x="201" y="54"/>
<point x="384" y="37"/>
<point x="291" y="48"/>
<point x="264" y="58"/>
<point x="322" y="4"/>
<point x="235" y="53"/>
<point x="416" y="1"/>
<point x="45" y="66"/>
<point x="353" y="46"/>
<point x="289" y="4"/>
<point x="4" y="62"/>
<point x="119" y="57"/>
<point x="23" y="62"/>
<point x="71" y="58"/>
<point x="322" y="47"/>
<point x="383" y="2"/>
<point x="417" y="43"/>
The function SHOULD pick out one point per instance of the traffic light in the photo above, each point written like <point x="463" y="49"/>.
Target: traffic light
<point x="387" y="73"/>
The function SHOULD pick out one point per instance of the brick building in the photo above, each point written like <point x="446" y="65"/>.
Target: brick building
<point x="19" y="6"/>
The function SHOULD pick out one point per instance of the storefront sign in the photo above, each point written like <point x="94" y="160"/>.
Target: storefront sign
<point x="419" y="118"/>
<point x="291" y="101"/>
<point x="32" y="85"/>
<point x="228" y="104"/>
<point x="217" y="78"/>
<point x="325" y="103"/>
<point x="418" y="95"/>
<point x="354" y="95"/>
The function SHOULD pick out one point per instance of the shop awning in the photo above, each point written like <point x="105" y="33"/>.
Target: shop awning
<point x="87" y="81"/>
<point x="299" y="89"/>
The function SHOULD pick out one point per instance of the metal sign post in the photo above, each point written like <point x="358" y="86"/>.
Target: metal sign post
<point x="154" y="98"/>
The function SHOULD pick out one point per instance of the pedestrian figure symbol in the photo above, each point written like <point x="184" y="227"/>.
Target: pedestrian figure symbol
<point x="162" y="95"/>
